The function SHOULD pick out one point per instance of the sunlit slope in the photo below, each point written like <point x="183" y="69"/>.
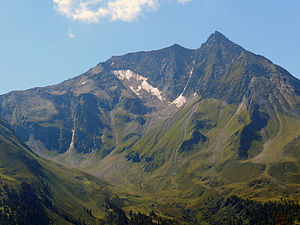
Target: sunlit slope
<point x="200" y="146"/>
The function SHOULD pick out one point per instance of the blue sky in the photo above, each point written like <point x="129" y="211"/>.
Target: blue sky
<point x="46" y="42"/>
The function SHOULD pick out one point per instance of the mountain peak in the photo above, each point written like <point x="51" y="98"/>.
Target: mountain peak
<point x="218" y="36"/>
<point x="177" y="47"/>
<point x="217" y="39"/>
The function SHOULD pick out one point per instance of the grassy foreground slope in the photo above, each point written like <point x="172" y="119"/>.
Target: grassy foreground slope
<point x="33" y="188"/>
<point x="36" y="191"/>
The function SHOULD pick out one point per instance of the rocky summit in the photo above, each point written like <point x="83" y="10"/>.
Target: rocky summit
<point x="186" y="134"/>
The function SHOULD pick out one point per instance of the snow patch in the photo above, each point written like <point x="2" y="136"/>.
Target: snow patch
<point x="72" y="142"/>
<point x="180" y="101"/>
<point x="83" y="83"/>
<point x="136" y="91"/>
<point x="128" y="74"/>
<point x="142" y="83"/>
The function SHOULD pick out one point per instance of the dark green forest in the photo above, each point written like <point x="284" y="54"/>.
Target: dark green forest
<point x="234" y="211"/>
<point x="31" y="207"/>
<point x="23" y="206"/>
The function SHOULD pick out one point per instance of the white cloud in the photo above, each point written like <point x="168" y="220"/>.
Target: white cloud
<point x="183" y="1"/>
<point x="126" y="10"/>
<point x="91" y="11"/>
<point x="71" y="34"/>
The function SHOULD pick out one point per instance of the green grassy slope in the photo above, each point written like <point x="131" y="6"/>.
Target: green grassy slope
<point x="185" y="159"/>
<point x="36" y="191"/>
<point x="63" y="194"/>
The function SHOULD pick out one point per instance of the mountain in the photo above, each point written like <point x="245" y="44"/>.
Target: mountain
<point x="187" y="125"/>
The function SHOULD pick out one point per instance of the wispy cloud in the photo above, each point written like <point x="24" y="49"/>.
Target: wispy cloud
<point x="71" y="34"/>
<point x="184" y="1"/>
<point x="92" y="11"/>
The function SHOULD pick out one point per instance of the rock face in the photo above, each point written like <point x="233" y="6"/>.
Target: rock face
<point x="166" y="113"/>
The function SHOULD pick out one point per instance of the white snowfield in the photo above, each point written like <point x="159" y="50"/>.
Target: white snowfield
<point x="180" y="101"/>
<point x="142" y="83"/>
<point x="72" y="142"/>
